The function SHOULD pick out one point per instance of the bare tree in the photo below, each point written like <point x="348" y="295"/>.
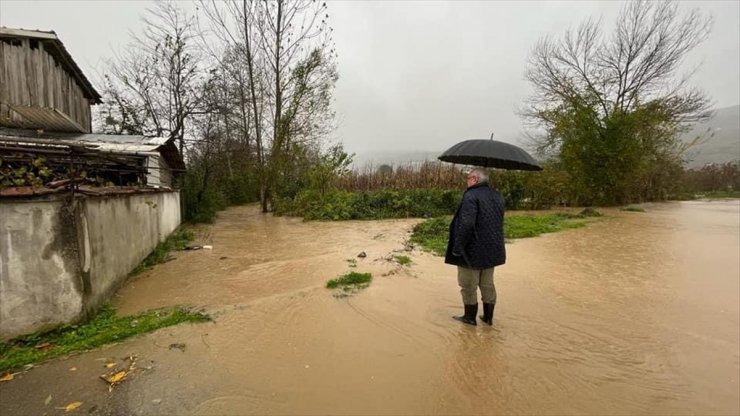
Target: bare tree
<point x="155" y="85"/>
<point x="619" y="97"/>
<point x="289" y="73"/>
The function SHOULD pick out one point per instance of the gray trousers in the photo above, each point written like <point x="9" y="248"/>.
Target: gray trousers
<point x="469" y="281"/>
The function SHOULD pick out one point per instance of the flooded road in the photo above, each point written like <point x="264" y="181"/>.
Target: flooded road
<point x="637" y="313"/>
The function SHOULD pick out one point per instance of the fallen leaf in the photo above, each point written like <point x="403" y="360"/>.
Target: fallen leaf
<point x="109" y="365"/>
<point x="73" y="369"/>
<point x="115" y="378"/>
<point x="7" y="377"/>
<point x="47" y="401"/>
<point x="43" y="346"/>
<point x="72" y="406"/>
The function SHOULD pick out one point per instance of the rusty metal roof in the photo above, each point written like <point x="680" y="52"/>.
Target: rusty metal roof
<point x="56" y="49"/>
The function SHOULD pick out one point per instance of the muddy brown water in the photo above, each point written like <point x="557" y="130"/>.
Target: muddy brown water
<point x="638" y="313"/>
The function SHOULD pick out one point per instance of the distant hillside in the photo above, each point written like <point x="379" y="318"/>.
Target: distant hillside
<point x="724" y="143"/>
<point x="375" y="159"/>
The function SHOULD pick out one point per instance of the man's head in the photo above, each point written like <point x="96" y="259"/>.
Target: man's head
<point x="476" y="176"/>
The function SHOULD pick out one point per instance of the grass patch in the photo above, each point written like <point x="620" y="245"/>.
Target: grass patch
<point x="104" y="328"/>
<point x="633" y="208"/>
<point x="403" y="260"/>
<point x="178" y="240"/>
<point x="350" y="279"/>
<point x="432" y="234"/>
<point x="352" y="263"/>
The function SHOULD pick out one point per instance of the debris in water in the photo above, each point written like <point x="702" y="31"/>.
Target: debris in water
<point x="179" y="346"/>
<point x="198" y="247"/>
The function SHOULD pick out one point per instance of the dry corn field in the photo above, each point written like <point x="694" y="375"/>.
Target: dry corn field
<point x="409" y="176"/>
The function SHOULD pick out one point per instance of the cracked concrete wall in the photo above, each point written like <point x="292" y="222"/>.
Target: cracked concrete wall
<point x="60" y="259"/>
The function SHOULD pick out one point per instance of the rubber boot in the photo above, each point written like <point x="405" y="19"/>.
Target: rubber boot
<point x="487" y="316"/>
<point x="469" y="317"/>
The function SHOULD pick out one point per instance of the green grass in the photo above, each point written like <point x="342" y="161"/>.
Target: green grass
<point x="432" y="234"/>
<point x="178" y="240"/>
<point x="104" y="328"/>
<point x="350" y="279"/>
<point x="403" y="260"/>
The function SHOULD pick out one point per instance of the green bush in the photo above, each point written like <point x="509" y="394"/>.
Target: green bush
<point x="386" y="203"/>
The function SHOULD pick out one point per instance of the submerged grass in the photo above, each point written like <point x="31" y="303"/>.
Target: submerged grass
<point x="633" y="208"/>
<point x="432" y="234"/>
<point x="350" y="279"/>
<point x="403" y="260"/>
<point x="178" y="240"/>
<point x="104" y="328"/>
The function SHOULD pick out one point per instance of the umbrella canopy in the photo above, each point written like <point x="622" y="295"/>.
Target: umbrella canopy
<point x="490" y="154"/>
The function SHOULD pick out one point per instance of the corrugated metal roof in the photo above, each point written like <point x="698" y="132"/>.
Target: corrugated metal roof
<point x="56" y="48"/>
<point x="117" y="143"/>
<point x="121" y="139"/>
<point x="49" y="118"/>
<point x="112" y="139"/>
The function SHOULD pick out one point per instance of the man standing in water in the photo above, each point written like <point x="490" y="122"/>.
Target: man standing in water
<point x="476" y="245"/>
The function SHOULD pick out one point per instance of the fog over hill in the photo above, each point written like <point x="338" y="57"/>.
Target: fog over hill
<point x="720" y="144"/>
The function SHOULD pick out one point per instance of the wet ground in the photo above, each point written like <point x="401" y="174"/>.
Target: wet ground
<point x="638" y="313"/>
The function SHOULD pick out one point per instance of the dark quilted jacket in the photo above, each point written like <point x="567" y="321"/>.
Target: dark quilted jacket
<point x="477" y="230"/>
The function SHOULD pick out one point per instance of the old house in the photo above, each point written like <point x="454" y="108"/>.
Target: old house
<point x="78" y="211"/>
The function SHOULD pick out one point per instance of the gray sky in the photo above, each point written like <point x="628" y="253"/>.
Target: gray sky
<point x="413" y="75"/>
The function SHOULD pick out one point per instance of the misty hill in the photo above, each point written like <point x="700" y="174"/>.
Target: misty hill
<point x="398" y="158"/>
<point x="724" y="143"/>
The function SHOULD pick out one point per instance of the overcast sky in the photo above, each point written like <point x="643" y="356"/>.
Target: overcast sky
<point x="413" y="75"/>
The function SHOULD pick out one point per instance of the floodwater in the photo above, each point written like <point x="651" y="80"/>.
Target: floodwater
<point x="637" y="313"/>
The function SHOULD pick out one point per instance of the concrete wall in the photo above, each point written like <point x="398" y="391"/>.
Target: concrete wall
<point x="62" y="258"/>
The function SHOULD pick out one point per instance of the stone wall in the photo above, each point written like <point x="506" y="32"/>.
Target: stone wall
<point x="61" y="258"/>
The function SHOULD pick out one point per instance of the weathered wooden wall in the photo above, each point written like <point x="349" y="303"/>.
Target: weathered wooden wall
<point x="31" y="77"/>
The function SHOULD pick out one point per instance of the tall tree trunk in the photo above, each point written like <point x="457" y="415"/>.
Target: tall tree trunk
<point x="257" y="124"/>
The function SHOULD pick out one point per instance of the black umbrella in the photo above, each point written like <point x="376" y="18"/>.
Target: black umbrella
<point x="490" y="154"/>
